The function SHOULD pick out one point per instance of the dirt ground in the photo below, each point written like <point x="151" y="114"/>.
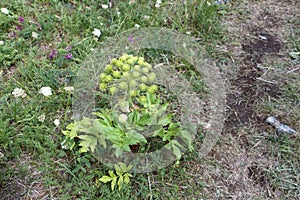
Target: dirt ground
<point x="258" y="35"/>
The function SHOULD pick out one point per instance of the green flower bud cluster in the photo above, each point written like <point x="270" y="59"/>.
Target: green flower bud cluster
<point x="129" y="74"/>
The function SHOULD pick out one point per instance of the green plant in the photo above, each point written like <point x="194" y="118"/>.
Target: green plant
<point x="122" y="176"/>
<point x="137" y="115"/>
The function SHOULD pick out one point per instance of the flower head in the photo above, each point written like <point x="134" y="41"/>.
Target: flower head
<point x="18" y="92"/>
<point x="69" y="88"/>
<point x="56" y="122"/>
<point x="34" y="34"/>
<point x="68" y="48"/>
<point x="96" y="32"/>
<point x="18" y="28"/>
<point x="1" y="43"/>
<point x="46" y="91"/>
<point x="41" y="118"/>
<point x="104" y="6"/>
<point x="21" y="19"/>
<point x="69" y="56"/>
<point x="5" y="11"/>
<point x="52" y="54"/>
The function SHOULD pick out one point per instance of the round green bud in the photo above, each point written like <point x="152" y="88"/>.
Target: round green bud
<point x="135" y="59"/>
<point x="145" y="70"/>
<point x="124" y="105"/>
<point x="137" y="68"/>
<point x="102" y="76"/>
<point x="108" y="68"/>
<point x="102" y="86"/>
<point x="133" y="93"/>
<point x="125" y="67"/>
<point x="143" y="87"/>
<point x="152" y="89"/>
<point x="112" y="90"/>
<point x="129" y="56"/>
<point x="151" y="77"/>
<point x="108" y="78"/>
<point x="149" y="66"/>
<point x="135" y="74"/>
<point x="143" y="79"/>
<point x="141" y="62"/>
<point x="143" y="99"/>
<point x="119" y="64"/>
<point x="113" y="61"/>
<point x="132" y="83"/>
<point x="126" y="75"/>
<point x="116" y="74"/>
<point x="141" y="58"/>
<point x="130" y="61"/>
<point x="123" y="58"/>
<point x="123" y="85"/>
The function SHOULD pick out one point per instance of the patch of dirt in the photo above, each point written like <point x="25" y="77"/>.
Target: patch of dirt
<point x="258" y="35"/>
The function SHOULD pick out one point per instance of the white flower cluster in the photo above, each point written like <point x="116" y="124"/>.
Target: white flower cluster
<point x="157" y="4"/>
<point x="19" y="92"/>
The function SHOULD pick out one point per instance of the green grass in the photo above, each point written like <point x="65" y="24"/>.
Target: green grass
<point x="31" y="149"/>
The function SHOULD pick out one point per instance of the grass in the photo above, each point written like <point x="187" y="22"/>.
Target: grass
<point x="33" y="164"/>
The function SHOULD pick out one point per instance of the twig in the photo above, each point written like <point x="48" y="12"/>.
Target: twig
<point x="261" y="79"/>
<point x="149" y="181"/>
<point x="292" y="70"/>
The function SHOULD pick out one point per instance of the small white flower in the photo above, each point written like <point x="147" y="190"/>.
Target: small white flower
<point x="5" y="11"/>
<point x="188" y="32"/>
<point x="157" y="4"/>
<point x="131" y="1"/>
<point x="118" y="13"/>
<point x="41" y="118"/>
<point x="46" y="91"/>
<point x="137" y="26"/>
<point x="96" y="32"/>
<point x="69" y="88"/>
<point x="56" y="122"/>
<point x="123" y="118"/>
<point x="34" y="34"/>
<point x="104" y="6"/>
<point x="1" y="42"/>
<point x="18" y="92"/>
<point x="146" y="17"/>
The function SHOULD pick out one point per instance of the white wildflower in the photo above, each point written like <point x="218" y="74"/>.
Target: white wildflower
<point x="18" y="92"/>
<point x="56" y="122"/>
<point x="5" y="11"/>
<point x="131" y="1"/>
<point x="1" y="42"/>
<point x="104" y="6"/>
<point x="146" y="17"/>
<point x="96" y="32"/>
<point x="188" y="32"/>
<point x="157" y="4"/>
<point x="123" y="118"/>
<point x="41" y="118"/>
<point x="137" y="26"/>
<point x="118" y="13"/>
<point x="46" y="91"/>
<point x="69" y="88"/>
<point x="34" y="34"/>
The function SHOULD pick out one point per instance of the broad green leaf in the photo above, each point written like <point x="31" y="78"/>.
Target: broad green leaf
<point x="118" y="170"/>
<point x="105" y="179"/>
<point x="124" y="168"/>
<point x="87" y="142"/>
<point x="176" y="152"/>
<point x="111" y="174"/>
<point x="126" y="177"/>
<point x="120" y="182"/>
<point x="165" y="120"/>
<point x="113" y="183"/>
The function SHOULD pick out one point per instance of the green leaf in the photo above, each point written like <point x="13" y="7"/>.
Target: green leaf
<point x="176" y="152"/>
<point x="120" y="182"/>
<point x="87" y="142"/>
<point x="165" y="120"/>
<point x="118" y="170"/>
<point x="126" y="177"/>
<point x="105" y="179"/>
<point x="113" y="183"/>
